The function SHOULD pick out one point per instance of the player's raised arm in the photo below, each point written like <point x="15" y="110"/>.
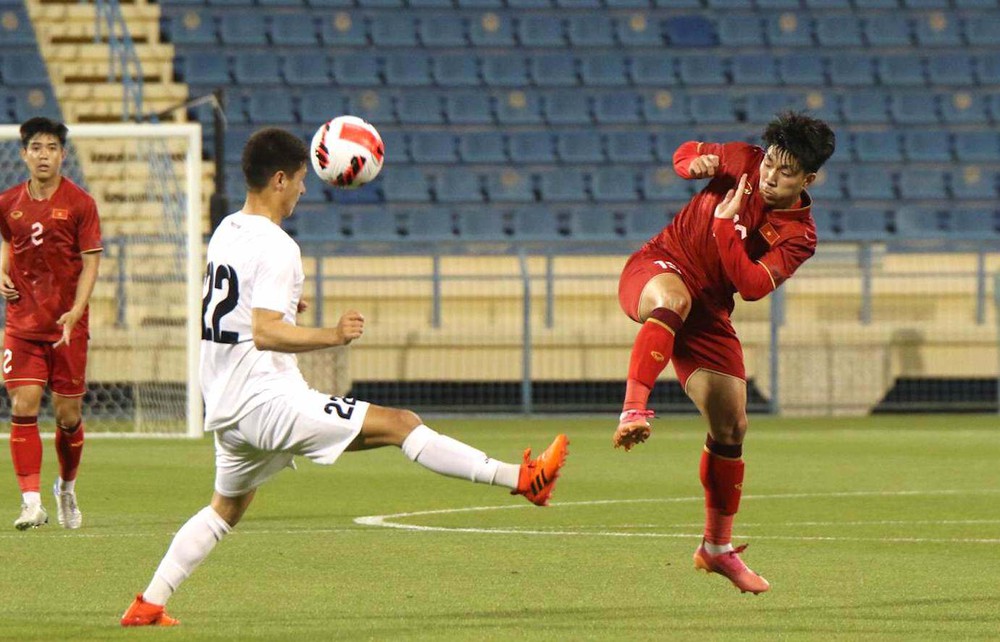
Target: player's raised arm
<point x="272" y="332"/>
<point x="689" y="162"/>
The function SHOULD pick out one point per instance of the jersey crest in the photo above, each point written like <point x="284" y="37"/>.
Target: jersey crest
<point x="770" y="234"/>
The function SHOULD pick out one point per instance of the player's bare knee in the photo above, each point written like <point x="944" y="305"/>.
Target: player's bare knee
<point x="729" y="432"/>
<point x="406" y="421"/>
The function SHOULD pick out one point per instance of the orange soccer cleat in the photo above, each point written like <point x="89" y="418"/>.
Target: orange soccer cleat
<point x="633" y="428"/>
<point x="537" y="478"/>
<point x="142" y="613"/>
<point x="730" y="565"/>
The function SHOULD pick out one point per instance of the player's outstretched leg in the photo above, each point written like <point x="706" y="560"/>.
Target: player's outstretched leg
<point x="537" y="478"/>
<point x="142" y="613"/>
<point x="730" y="566"/>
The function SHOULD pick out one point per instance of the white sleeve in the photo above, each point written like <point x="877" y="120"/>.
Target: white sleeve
<point x="274" y="285"/>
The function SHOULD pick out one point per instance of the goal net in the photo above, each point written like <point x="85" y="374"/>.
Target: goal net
<point x="143" y="358"/>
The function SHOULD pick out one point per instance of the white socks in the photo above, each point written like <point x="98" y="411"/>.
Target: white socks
<point x="448" y="456"/>
<point x="31" y="498"/>
<point x="192" y="544"/>
<point x="718" y="549"/>
<point x="66" y="486"/>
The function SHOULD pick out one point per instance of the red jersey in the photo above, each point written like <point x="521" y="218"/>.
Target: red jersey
<point x="752" y="254"/>
<point x="46" y="239"/>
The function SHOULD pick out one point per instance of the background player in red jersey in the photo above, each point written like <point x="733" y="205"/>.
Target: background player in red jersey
<point x="48" y="265"/>
<point x="747" y="231"/>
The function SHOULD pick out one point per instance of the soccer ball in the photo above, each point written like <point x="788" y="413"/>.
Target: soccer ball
<point x="347" y="152"/>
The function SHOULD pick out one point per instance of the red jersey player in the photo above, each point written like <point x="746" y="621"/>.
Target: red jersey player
<point x="48" y="265"/>
<point x="747" y="231"/>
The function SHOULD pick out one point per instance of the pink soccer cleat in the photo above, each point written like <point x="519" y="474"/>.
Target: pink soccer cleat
<point x="730" y="565"/>
<point x="633" y="428"/>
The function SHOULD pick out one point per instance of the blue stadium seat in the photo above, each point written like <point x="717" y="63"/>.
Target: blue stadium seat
<point x="256" y="68"/>
<point x="653" y="69"/>
<point x="567" y="108"/>
<point x="888" y="29"/>
<point x="539" y="223"/>
<point x="988" y="69"/>
<point x="554" y="70"/>
<point x="407" y="69"/>
<point x="530" y="4"/>
<point x="330" y="4"/>
<point x="755" y="69"/>
<point x="761" y="108"/>
<point x="34" y="101"/>
<point x="951" y="69"/>
<point x="492" y="30"/>
<point x="199" y="69"/>
<point x="341" y="30"/>
<point x="977" y="146"/>
<point x="580" y="147"/>
<point x="864" y="224"/>
<point x="243" y="28"/>
<point x="974" y="222"/>
<point x="828" y="184"/>
<point x="838" y="30"/>
<point x="505" y="70"/>
<point x="367" y="195"/>
<point x="298" y="4"/>
<point x="455" y="70"/>
<point x="973" y="183"/>
<point x="618" y="108"/>
<point x="926" y="4"/>
<point x="393" y="30"/>
<point x="646" y="222"/>
<point x="531" y="147"/>
<point x="378" y="224"/>
<point x="981" y="32"/>
<point x="380" y="4"/>
<point x="962" y="107"/>
<point x="630" y="147"/>
<point x="397" y="147"/>
<point x="356" y="70"/>
<point x="319" y="105"/>
<point x="519" y="108"/>
<point x="442" y="30"/>
<point x="913" y="108"/>
<point x="594" y="223"/>
<point x="702" y="70"/>
<point x="540" y="30"/>
<point x="613" y="184"/>
<point x="713" y="109"/>
<point x="306" y="69"/>
<point x="420" y="108"/>
<point x="319" y="222"/>
<point x="230" y="3"/>
<point x="901" y="71"/>
<point x="918" y="183"/>
<point x="876" y="4"/>
<point x="294" y="29"/>
<point x="662" y="184"/>
<point x="482" y="147"/>
<point x="788" y="29"/>
<point x="194" y="27"/>
<point x="315" y="189"/>
<point x="563" y="185"/>
<point x="405" y="183"/>
<point x="740" y="30"/>
<point x="590" y="30"/>
<point x="775" y="4"/>
<point x="667" y="141"/>
<point x="828" y="4"/>
<point x="639" y="30"/>
<point x="851" y="69"/>
<point x="878" y="146"/>
<point x="468" y="108"/>
<point x="271" y="107"/>
<point x="975" y="4"/>
<point x="578" y="4"/>
<point x="458" y="185"/>
<point x="866" y="106"/>
<point x="478" y="224"/>
<point x="605" y="69"/>
<point x="509" y="186"/>
<point x="918" y="222"/>
<point x="938" y="29"/>
<point x="428" y="224"/>
<point x="690" y="31"/>
<point x="375" y="107"/>
<point x="666" y="108"/>
<point x="15" y="27"/>
<point x="23" y="69"/>
<point x="802" y="69"/>
<point x="234" y="140"/>
<point x="927" y="145"/>
<point x="870" y="182"/>
<point x="479" y="4"/>
<point x="433" y="147"/>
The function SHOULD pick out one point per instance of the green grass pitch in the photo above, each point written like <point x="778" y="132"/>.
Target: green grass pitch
<point x="881" y="528"/>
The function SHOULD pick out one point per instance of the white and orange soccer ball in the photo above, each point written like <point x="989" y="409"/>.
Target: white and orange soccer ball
<point x="347" y="152"/>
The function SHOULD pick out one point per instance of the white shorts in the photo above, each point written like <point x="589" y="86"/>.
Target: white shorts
<point x="306" y="423"/>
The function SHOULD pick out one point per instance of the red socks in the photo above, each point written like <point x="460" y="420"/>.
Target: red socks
<point x="722" y="478"/>
<point x="653" y="347"/>
<point x="69" y="447"/>
<point x="26" y="452"/>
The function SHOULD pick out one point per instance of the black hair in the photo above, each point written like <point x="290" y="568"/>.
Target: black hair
<point x="809" y="140"/>
<point x="39" y="125"/>
<point x="269" y="151"/>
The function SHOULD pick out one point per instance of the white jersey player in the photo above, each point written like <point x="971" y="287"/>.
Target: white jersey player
<point x="257" y="404"/>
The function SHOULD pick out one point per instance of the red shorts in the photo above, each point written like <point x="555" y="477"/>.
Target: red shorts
<point x="36" y="363"/>
<point x="707" y="341"/>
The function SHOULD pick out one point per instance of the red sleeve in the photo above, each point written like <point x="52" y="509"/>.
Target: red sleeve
<point x="756" y="279"/>
<point x="683" y="156"/>
<point x="89" y="228"/>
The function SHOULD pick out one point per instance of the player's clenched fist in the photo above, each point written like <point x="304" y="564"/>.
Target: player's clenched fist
<point x="351" y="325"/>
<point x="703" y="166"/>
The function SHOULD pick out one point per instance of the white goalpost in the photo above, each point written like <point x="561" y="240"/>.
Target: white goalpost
<point x="142" y="371"/>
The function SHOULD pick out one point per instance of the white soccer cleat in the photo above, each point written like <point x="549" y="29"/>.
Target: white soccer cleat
<point x="31" y="517"/>
<point x="66" y="509"/>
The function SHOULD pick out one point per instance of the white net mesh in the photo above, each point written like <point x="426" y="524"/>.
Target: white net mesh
<point x="139" y="370"/>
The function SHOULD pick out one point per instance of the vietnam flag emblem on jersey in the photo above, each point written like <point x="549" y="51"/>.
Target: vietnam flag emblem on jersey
<point x="60" y="215"/>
